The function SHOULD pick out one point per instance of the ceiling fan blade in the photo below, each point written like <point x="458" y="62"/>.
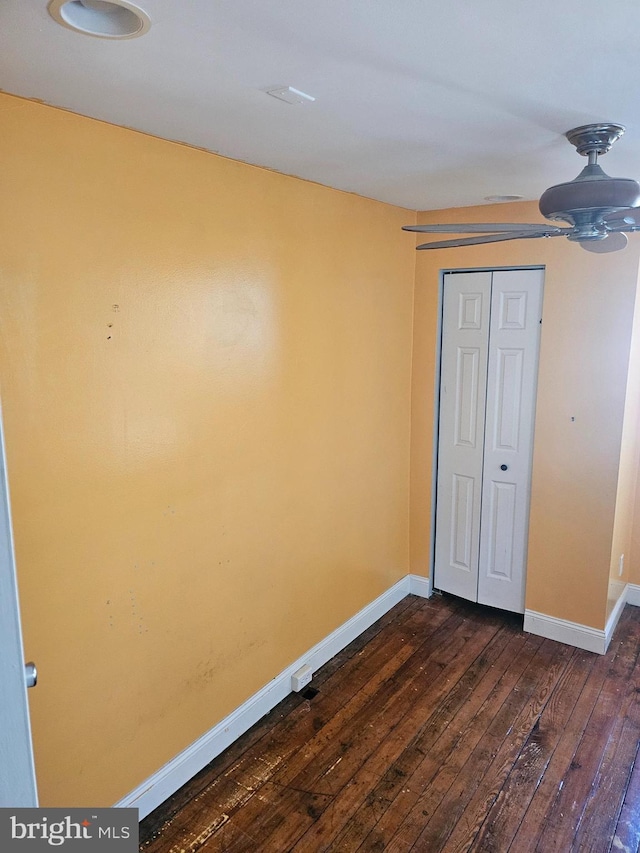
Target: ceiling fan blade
<point x="479" y="228"/>
<point x="612" y="243"/>
<point x="623" y="221"/>
<point x="495" y="238"/>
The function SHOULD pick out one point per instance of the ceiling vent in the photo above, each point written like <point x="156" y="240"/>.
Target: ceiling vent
<point x="290" y="95"/>
<point x="108" y="19"/>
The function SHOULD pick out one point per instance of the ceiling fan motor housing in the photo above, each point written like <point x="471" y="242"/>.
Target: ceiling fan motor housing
<point x="587" y="200"/>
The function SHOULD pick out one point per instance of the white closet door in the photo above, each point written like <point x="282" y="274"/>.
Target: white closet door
<point x="511" y="389"/>
<point x="489" y="361"/>
<point x="463" y="381"/>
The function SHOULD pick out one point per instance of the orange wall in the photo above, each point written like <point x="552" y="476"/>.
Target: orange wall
<point x="206" y="381"/>
<point x="626" y="499"/>
<point x="586" y="332"/>
<point x="634" y="562"/>
<point x="632" y="459"/>
<point x="206" y="392"/>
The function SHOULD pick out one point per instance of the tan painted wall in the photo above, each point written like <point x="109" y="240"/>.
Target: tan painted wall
<point x="627" y="496"/>
<point x="633" y="565"/>
<point x="206" y="388"/>
<point x="632" y="461"/>
<point x="634" y="561"/>
<point x="586" y="332"/>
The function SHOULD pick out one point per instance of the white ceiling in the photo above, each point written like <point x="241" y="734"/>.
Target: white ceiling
<point x="419" y="103"/>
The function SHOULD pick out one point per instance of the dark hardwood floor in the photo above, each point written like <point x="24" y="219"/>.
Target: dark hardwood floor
<point x="443" y="727"/>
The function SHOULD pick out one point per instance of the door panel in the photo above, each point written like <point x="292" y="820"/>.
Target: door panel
<point x="511" y="390"/>
<point x="507" y="399"/>
<point x="462" y="495"/>
<point x="499" y="522"/>
<point x="466" y="415"/>
<point x="466" y="309"/>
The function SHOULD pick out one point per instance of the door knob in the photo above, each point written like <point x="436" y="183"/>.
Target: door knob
<point x="504" y="467"/>
<point x="30" y="674"/>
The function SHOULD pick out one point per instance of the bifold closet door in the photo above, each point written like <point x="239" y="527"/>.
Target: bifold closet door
<point x="463" y="382"/>
<point x="487" y="399"/>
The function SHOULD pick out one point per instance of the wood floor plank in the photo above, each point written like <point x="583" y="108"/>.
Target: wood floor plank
<point x="440" y="764"/>
<point x="365" y="799"/>
<point x="336" y="760"/>
<point x="564" y="818"/>
<point x="378" y="817"/>
<point x="626" y="837"/>
<point x="493" y="780"/>
<point x="445" y="729"/>
<point x="597" y="828"/>
<point x="328" y="743"/>
<point x="528" y="769"/>
<point x="436" y="814"/>
<point x="423" y="719"/>
<point x="551" y="782"/>
<point x="606" y="797"/>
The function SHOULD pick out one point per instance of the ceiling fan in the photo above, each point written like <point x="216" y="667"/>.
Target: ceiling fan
<point x="597" y="208"/>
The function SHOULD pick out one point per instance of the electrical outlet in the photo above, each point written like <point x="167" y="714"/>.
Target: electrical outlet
<point x="301" y="677"/>
<point x="621" y="565"/>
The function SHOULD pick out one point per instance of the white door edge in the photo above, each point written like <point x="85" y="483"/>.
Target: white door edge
<point x="17" y="769"/>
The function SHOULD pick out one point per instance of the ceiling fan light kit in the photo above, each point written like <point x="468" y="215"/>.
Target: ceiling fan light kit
<point x="596" y="207"/>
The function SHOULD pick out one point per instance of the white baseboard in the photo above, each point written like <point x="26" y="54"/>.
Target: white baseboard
<point x="166" y="781"/>
<point x="633" y="594"/>
<point x="420" y="586"/>
<point x="571" y="633"/>
<point x="616" y="589"/>
<point x="582" y="636"/>
<point x="615" y="614"/>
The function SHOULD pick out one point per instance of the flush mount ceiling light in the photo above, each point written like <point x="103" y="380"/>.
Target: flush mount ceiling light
<point x="109" y="19"/>
<point x="501" y="198"/>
